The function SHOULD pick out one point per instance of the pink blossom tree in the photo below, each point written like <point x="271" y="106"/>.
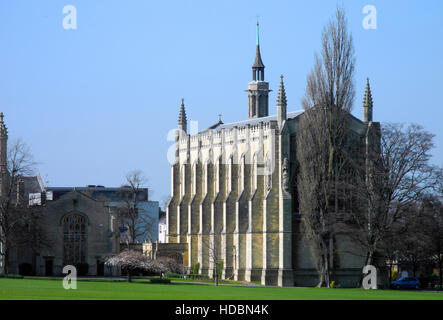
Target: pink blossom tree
<point x="135" y="260"/>
<point x="130" y="260"/>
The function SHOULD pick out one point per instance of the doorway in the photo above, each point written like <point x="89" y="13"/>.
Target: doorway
<point x="100" y="268"/>
<point x="49" y="266"/>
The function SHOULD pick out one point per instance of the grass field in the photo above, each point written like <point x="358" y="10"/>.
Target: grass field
<point x="44" y="289"/>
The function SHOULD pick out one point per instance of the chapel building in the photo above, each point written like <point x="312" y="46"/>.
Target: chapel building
<point x="234" y="199"/>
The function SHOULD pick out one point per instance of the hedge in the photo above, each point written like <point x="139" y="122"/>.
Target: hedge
<point x="159" y="280"/>
<point x="12" y="276"/>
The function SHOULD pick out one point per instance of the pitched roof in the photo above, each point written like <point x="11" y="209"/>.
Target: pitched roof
<point x="32" y="185"/>
<point x="258" y="63"/>
<point x="215" y="125"/>
<point x="290" y="115"/>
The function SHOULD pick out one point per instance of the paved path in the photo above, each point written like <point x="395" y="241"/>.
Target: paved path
<point x="246" y="284"/>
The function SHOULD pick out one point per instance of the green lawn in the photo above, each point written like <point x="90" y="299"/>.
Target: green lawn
<point x="31" y="289"/>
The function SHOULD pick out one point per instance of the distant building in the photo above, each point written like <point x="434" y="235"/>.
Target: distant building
<point x="162" y="227"/>
<point x="80" y="225"/>
<point x="113" y="197"/>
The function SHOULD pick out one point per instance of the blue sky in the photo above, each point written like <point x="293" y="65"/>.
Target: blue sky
<point x="97" y="102"/>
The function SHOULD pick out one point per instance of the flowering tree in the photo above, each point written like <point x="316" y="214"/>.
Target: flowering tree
<point x="130" y="260"/>
<point x="135" y="260"/>
<point x="169" y="265"/>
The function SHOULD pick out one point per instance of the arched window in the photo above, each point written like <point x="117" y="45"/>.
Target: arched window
<point x="74" y="239"/>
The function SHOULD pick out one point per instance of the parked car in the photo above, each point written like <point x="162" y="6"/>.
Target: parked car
<point x="406" y="283"/>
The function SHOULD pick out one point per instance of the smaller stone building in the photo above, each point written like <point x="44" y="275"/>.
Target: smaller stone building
<point x="77" y="230"/>
<point x="176" y="251"/>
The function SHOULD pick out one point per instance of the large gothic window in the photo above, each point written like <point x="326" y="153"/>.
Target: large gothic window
<point x="74" y="239"/>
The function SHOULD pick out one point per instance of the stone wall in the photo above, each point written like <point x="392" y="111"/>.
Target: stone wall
<point x="224" y="200"/>
<point x="229" y="205"/>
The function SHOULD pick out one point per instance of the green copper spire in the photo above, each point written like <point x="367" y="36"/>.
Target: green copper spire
<point x="258" y="66"/>
<point x="258" y="34"/>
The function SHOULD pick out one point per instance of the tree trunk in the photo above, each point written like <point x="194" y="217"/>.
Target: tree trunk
<point x="440" y="273"/>
<point x="331" y="258"/>
<point x="327" y="281"/>
<point x="369" y="257"/>
<point x="128" y="272"/>
<point x="3" y="270"/>
<point x="216" y="274"/>
<point x="34" y="262"/>
<point x="390" y="273"/>
<point x="414" y="267"/>
<point x="133" y="230"/>
<point x="324" y="267"/>
<point x="6" y="260"/>
<point x="321" y="280"/>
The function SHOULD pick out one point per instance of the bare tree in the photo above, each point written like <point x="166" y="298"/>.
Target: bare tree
<point x="414" y="241"/>
<point x="400" y="175"/>
<point x="390" y="247"/>
<point x="321" y="140"/>
<point x="432" y="227"/>
<point x="131" y="193"/>
<point x="214" y="255"/>
<point x="31" y="232"/>
<point x="17" y="220"/>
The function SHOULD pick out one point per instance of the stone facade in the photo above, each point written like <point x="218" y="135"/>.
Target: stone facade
<point x="176" y="251"/>
<point x="232" y="194"/>
<point x="100" y="236"/>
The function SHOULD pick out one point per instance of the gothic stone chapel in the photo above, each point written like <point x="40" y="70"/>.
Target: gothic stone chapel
<point x="234" y="195"/>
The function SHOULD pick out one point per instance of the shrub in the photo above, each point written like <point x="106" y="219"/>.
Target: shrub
<point x="428" y="281"/>
<point x="159" y="280"/>
<point x="219" y="268"/>
<point x="196" y="268"/>
<point x="424" y="281"/>
<point x="82" y="269"/>
<point x="174" y="275"/>
<point x="25" y="269"/>
<point x="332" y="284"/>
<point x="12" y="276"/>
<point x="198" y="276"/>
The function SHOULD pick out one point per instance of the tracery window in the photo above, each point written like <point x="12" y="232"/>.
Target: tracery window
<point x="75" y="237"/>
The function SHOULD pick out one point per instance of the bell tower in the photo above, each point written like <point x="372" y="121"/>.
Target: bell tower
<point x="258" y="89"/>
